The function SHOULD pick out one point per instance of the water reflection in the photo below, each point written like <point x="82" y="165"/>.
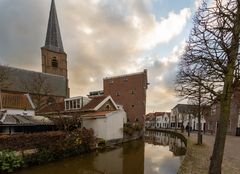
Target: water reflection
<point x="163" y="153"/>
<point x="159" y="154"/>
<point x="175" y="144"/>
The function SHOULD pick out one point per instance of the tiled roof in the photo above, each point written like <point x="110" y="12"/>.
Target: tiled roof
<point x="185" y="108"/>
<point x="93" y="103"/>
<point x="25" y="120"/>
<point x="159" y="113"/>
<point x="16" y="101"/>
<point x="21" y="80"/>
<point x="55" y="107"/>
<point x="152" y="116"/>
<point x="168" y="113"/>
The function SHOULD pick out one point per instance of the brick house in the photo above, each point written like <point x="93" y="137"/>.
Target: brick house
<point x="130" y="92"/>
<point x="234" y="119"/>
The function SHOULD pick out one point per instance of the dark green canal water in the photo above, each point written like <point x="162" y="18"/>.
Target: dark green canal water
<point x="159" y="153"/>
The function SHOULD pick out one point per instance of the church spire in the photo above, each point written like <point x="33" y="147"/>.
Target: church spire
<point x="53" y="39"/>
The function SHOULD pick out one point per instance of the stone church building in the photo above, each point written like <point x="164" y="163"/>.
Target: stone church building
<point x="50" y="85"/>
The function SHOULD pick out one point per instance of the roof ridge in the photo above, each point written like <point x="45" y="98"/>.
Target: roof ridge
<point x="124" y="75"/>
<point x="26" y="70"/>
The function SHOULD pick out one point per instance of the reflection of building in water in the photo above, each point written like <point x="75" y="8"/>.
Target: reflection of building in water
<point x="105" y="160"/>
<point x="128" y="159"/>
<point x="176" y="145"/>
<point x="133" y="161"/>
<point x="159" y="138"/>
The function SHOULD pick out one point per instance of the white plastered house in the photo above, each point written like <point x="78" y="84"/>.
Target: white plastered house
<point x="106" y="118"/>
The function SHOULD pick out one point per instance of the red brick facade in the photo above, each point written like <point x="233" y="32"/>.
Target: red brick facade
<point x="212" y="121"/>
<point x="130" y="92"/>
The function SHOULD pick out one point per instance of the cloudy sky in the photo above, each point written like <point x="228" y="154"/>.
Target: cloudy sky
<point x="103" y="38"/>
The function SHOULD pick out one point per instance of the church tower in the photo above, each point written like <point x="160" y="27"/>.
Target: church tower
<point x="54" y="59"/>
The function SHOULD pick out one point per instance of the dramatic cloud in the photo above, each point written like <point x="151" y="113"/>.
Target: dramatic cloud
<point x="164" y="30"/>
<point x="102" y="38"/>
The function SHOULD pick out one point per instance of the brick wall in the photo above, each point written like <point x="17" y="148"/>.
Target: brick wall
<point x="61" y="59"/>
<point x="233" y="119"/>
<point x="129" y="91"/>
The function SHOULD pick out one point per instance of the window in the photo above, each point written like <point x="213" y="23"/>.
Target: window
<point x="132" y="106"/>
<point x="132" y="92"/>
<point x="78" y="104"/>
<point x="71" y="105"/>
<point x="74" y="104"/>
<point x="50" y="100"/>
<point x="54" y="62"/>
<point x="107" y="107"/>
<point x="67" y="105"/>
<point x="210" y="125"/>
<point x="117" y="93"/>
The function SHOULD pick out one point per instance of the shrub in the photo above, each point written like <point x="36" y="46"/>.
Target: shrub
<point x="137" y="126"/>
<point x="9" y="161"/>
<point x="128" y="130"/>
<point x="30" y="141"/>
<point x="50" y="146"/>
<point x="101" y="142"/>
<point x="75" y="142"/>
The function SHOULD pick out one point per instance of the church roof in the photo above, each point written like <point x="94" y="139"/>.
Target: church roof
<point x="25" y="81"/>
<point x="53" y="39"/>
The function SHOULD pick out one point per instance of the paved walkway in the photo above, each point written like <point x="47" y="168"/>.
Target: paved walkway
<point x="197" y="159"/>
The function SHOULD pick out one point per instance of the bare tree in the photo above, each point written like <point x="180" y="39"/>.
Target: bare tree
<point x="188" y="85"/>
<point x="39" y="88"/>
<point x="4" y="80"/>
<point x="211" y="60"/>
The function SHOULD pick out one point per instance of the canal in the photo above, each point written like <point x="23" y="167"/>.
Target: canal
<point x="159" y="153"/>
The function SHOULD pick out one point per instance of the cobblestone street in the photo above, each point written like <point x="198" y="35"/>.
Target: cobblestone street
<point x="198" y="158"/>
